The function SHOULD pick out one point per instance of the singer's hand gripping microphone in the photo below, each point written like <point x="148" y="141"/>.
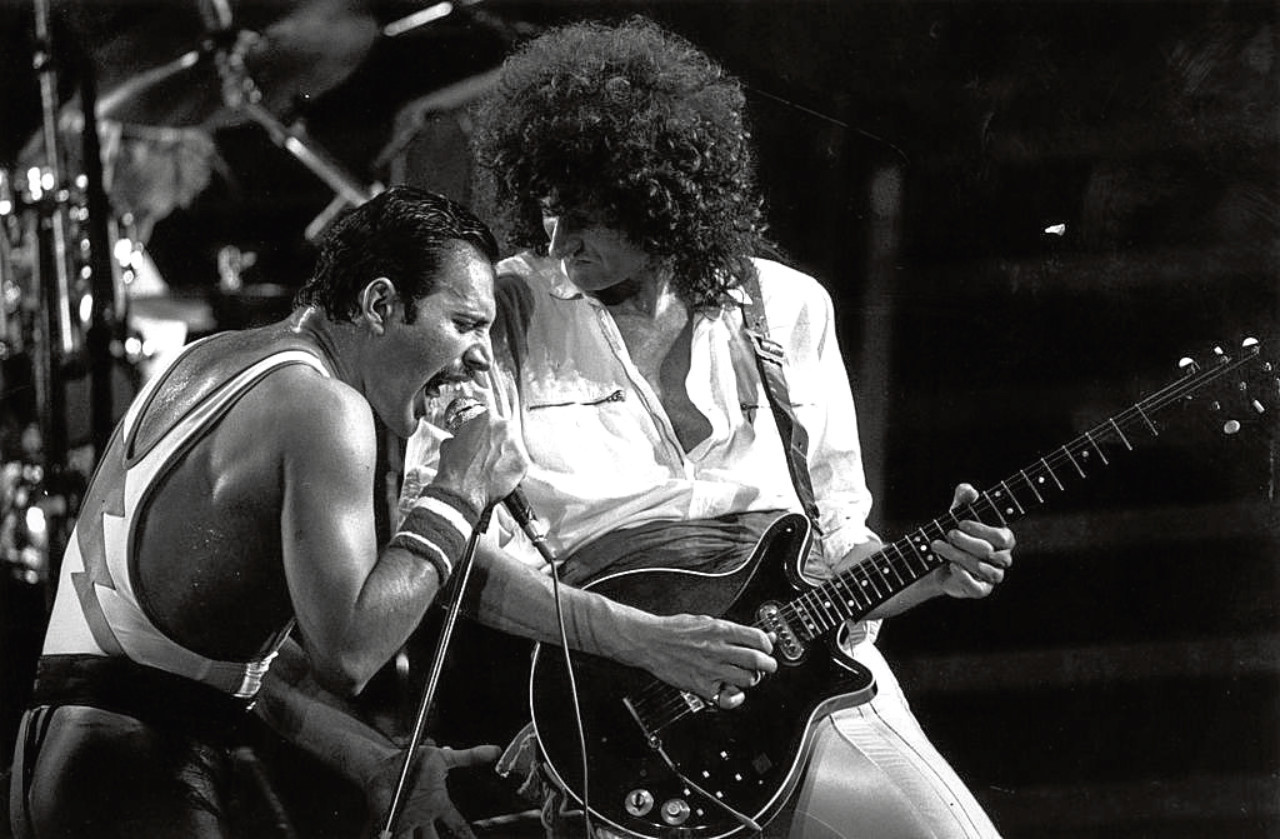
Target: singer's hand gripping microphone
<point x="465" y="408"/>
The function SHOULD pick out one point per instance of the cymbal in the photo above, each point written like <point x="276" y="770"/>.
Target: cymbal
<point x="298" y="57"/>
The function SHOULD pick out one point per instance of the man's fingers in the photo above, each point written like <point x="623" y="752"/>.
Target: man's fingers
<point x="730" y="697"/>
<point x="964" y="494"/>
<point x="474" y="756"/>
<point x="748" y="636"/>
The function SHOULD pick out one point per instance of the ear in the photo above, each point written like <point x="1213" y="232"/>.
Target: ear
<point x="378" y="302"/>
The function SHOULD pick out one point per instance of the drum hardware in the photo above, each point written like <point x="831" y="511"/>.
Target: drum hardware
<point x="56" y="319"/>
<point x="299" y="56"/>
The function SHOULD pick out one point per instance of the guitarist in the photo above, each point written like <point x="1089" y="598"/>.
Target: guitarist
<point x="621" y="161"/>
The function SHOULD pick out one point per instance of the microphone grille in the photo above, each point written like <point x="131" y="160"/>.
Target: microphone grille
<point x="460" y="410"/>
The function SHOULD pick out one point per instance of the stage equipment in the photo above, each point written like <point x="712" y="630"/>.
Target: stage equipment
<point x="235" y="75"/>
<point x="60" y="319"/>
<point x="431" y="143"/>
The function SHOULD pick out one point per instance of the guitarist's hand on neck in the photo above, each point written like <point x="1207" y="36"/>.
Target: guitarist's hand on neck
<point x="977" y="556"/>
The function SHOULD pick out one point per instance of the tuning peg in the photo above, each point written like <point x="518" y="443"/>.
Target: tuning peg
<point x="1222" y="356"/>
<point x="1187" y="365"/>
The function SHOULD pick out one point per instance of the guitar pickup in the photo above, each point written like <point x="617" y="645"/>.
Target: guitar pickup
<point x="788" y="644"/>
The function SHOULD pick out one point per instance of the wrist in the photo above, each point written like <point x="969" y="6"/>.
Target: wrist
<point x="457" y="487"/>
<point x="436" y="528"/>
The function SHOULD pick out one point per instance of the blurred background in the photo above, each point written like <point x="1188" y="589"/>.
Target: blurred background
<point x="1027" y="214"/>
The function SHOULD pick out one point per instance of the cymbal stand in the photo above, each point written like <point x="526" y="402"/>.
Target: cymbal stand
<point x="54" y="341"/>
<point x="241" y="93"/>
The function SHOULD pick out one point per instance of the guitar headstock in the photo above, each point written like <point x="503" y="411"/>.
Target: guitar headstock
<point x="1241" y="388"/>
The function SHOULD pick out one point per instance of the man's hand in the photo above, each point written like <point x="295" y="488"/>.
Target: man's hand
<point x="425" y="802"/>
<point x="711" y="658"/>
<point x="977" y="554"/>
<point x="483" y="461"/>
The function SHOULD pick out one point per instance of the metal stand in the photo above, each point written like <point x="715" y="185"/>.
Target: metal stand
<point x="458" y="587"/>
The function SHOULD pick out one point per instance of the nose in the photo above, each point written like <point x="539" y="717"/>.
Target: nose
<point x="478" y="358"/>
<point x="565" y="239"/>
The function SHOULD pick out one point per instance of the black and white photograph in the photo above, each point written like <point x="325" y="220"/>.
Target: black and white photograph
<point x="605" y="419"/>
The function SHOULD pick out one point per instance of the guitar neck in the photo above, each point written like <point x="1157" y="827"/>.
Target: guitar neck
<point x="855" y="592"/>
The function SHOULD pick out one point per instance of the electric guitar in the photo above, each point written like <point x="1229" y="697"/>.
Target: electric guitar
<point x="662" y="762"/>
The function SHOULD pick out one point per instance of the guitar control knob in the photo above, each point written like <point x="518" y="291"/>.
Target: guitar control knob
<point x="639" y="802"/>
<point x="675" y="811"/>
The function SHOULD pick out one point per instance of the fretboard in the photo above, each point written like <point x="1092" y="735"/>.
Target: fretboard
<point x="855" y="592"/>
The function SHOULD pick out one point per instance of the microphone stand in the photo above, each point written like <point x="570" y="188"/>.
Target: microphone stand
<point x="459" y="586"/>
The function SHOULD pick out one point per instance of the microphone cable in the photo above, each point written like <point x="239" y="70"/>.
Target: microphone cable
<point x="533" y="528"/>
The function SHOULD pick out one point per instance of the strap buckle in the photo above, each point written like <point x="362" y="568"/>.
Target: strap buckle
<point x="766" y="347"/>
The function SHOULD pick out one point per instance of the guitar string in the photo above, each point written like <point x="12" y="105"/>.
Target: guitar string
<point x="801" y="610"/>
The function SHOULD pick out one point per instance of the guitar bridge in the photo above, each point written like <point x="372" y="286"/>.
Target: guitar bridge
<point x="788" y="645"/>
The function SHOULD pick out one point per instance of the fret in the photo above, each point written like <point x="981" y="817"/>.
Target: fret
<point x="1096" y="448"/>
<point x="906" y="559"/>
<point x="1154" y="431"/>
<point x="1067" y="451"/>
<point x="878" y="583"/>
<point x="1031" y="485"/>
<point x="851" y="594"/>
<point x="1123" y="439"/>
<point x="801" y="611"/>
<point x="920" y="545"/>
<point x="823" y="604"/>
<point x="844" y="609"/>
<point x="1049" y="469"/>
<point x="885" y="568"/>
<point x="996" y="510"/>
<point x="1009" y="493"/>
<point x="868" y="584"/>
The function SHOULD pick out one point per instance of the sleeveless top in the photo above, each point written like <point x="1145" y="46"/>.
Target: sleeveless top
<point x="104" y="616"/>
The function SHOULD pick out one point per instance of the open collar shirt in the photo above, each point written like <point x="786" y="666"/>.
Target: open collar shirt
<point x="603" y="452"/>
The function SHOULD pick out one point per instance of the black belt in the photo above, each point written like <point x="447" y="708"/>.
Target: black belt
<point x="149" y="695"/>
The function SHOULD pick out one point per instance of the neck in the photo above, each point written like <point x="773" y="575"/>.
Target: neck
<point x="334" y="339"/>
<point x="650" y="296"/>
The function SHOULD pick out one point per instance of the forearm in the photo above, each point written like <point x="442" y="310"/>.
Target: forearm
<point x="516" y="599"/>
<point x="292" y="704"/>
<point x="396" y="591"/>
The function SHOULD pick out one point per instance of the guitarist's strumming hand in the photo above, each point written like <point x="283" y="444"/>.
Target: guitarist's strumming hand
<point x="977" y="554"/>
<point x="712" y="658"/>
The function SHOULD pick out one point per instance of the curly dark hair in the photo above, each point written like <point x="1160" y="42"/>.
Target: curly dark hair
<point x="638" y="127"/>
<point x="402" y="234"/>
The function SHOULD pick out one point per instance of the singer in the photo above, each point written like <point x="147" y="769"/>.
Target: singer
<point x="234" y="505"/>
<point x="620" y="158"/>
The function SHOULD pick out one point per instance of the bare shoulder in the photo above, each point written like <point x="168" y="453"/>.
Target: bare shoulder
<point x="313" y="412"/>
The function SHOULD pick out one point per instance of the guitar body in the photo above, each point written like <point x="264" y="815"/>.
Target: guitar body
<point x="750" y="758"/>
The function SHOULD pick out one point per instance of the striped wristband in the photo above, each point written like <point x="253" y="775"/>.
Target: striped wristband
<point x="436" y="528"/>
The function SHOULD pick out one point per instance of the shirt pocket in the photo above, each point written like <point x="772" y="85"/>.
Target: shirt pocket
<point x="580" y="428"/>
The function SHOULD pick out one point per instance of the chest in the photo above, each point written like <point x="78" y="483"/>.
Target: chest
<point x="660" y="350"/>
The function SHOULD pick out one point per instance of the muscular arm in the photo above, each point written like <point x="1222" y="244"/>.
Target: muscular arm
<point x="354" y="606"/>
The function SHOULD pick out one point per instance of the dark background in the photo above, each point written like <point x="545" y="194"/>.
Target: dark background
<point x="1123" y="681"/>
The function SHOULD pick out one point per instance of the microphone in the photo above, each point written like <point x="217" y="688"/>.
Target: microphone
<point x="465" y="408"/>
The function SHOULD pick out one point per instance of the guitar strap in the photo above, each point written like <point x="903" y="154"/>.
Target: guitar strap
<point x="770" y="361"/>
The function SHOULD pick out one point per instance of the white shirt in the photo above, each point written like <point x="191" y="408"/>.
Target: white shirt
<point x="603" y="452"/>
